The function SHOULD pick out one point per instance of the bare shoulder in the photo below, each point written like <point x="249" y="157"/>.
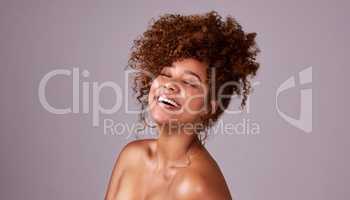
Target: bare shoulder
<point x="129" y="158"/>
<point x="202" y="180"/>
<point x="134" y="152"/>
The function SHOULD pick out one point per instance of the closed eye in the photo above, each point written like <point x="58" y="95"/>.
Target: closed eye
<point x="190" y="83"/>
<point x="164" y="74"/>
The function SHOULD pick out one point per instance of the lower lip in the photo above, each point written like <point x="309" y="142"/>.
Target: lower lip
<point x="167" y="106"/>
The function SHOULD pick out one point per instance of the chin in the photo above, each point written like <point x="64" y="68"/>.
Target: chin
<point x="160" y="117"/>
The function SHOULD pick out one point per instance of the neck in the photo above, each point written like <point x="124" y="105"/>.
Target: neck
<point x="173" y="146"/>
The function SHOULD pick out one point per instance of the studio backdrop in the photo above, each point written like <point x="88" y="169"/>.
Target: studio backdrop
<point x="67" y="108"/>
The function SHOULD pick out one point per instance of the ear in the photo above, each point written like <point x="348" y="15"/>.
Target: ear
<point x="212" y="107"/>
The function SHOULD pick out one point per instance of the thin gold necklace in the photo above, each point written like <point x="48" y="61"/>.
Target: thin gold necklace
<point x="187" y="157"/>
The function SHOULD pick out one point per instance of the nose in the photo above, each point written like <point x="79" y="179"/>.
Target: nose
<point x="171" y="87"/>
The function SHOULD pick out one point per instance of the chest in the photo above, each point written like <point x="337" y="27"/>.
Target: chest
<point x="146" y="185"/>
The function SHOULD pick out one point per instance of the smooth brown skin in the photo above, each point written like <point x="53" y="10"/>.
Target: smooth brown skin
<point x="175" y="166"/>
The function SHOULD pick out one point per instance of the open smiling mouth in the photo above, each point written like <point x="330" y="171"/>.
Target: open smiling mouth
<point x="168" y="103"/>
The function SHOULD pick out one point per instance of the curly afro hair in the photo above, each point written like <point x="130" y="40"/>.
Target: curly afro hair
<point x="221" y="44"/>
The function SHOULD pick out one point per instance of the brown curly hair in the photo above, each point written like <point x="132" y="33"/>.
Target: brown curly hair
<point x="221" y="44"/>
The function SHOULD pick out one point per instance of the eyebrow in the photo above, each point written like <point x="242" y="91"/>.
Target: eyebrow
<point x="191" y="73"/>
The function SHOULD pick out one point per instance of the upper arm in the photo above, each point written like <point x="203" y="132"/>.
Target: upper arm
<point x="126" y="157"/>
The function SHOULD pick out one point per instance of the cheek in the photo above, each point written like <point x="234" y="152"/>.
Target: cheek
<point x="154" y="86"/>
<point x="195" y="100"/>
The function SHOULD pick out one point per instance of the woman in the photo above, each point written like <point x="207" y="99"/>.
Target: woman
<point x="188" y="69"/>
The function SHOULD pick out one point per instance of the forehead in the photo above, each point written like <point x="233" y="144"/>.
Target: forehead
<point x="191" y="65"/>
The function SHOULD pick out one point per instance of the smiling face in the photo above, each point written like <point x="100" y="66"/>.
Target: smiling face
<point x="179" y="92"/>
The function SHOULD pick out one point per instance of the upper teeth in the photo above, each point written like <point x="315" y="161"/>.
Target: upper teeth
<point x="161" y="98"/>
